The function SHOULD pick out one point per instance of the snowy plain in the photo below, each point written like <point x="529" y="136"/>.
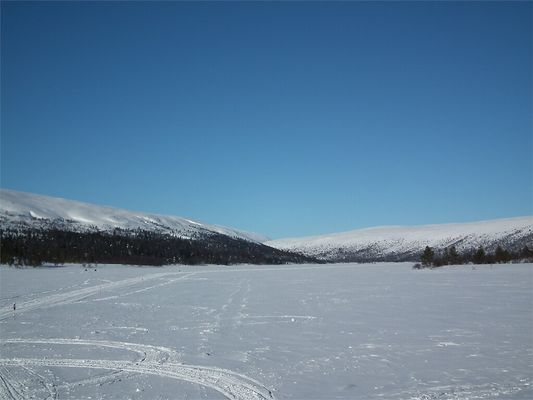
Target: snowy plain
<point x="338" y="331"/>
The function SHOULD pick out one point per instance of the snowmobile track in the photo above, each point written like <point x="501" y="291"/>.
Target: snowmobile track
<point x="76" y="295"/>
<point x="153" y="362"/>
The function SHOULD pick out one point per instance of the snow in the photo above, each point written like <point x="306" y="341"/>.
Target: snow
<point x="16" y="207"/>
<point x="404" y="239"/>
<point x="339" y="331"/>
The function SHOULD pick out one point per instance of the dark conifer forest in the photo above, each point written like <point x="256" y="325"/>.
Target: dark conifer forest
<point x="38" y="246"/>
<point x="431" y="258"/>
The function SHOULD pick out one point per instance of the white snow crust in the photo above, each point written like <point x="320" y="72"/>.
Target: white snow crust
<point x="314" y="332"/>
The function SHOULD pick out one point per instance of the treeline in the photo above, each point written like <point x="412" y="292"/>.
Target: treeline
<point x="450" y="256"/>
<point x="38" y="246"/>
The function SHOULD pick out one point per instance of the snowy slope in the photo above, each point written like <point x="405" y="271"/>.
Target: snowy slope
<point x="400" y="242"/>
<point x="26" y="209"/>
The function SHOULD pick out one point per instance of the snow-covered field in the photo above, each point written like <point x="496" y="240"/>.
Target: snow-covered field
<point x="381" y="331"/>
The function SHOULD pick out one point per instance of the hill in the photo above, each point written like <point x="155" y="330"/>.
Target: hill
<point x="406" y="243"/>
<point x="36" y="229"/>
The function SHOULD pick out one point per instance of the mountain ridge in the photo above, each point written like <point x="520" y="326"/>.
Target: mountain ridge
<point x="21" y="207"/>
<point x="38" y="229"/>
<point x="405" y="243"/>
<point x="27" y="213"/>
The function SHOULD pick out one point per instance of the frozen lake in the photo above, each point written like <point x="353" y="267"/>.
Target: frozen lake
<point x="343" y="331"/>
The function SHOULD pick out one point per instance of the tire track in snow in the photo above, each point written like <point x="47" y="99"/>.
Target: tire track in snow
<point x="107" y="378"/>
<point x="148" y="353"/>
<point x="11" y="388"/>
<point x="232" y="385"/>
<point x="75" y="295"/>
<point x="145" y="289"/>
<point x="51" y="389"/>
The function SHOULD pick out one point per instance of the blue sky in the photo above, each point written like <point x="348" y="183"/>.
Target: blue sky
<point x="287" y="119"/>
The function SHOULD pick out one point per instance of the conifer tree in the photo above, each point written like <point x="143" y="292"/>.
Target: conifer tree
<point x="427" y="257"/>
<point x="526" y="253"/>
<point x="501" y="255"/>
<point x="454" y="257"/>
<point x="479" y="256"/>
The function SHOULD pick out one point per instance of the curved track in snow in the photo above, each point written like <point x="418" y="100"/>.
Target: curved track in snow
<point x="146" y="352"/>
<point x="153" y="361"/>
<point x="229" y="384"/>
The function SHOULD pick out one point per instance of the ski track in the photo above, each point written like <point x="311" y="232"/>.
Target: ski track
<point x="145" y="289"/>
<point x="76" y="295"/>
<point x="154" y="359"/>
<point x="156" y="354"/>
<point x="9" y="300"/>
<point x="231" y="385"/>
<point x="7" y="387"/>
<point x="79" y="294"/>
<point x="148" y="353"/>
<point x="16" y="389"/>
<point x="51" y="389"/>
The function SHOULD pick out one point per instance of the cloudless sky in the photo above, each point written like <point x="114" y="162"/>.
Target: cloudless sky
<point x="287" y="119"/>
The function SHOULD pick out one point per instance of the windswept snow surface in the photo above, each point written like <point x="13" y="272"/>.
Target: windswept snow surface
<point x="19" y="207"/>
<point x="340" y="331"/>
<point x="399" y="241"/>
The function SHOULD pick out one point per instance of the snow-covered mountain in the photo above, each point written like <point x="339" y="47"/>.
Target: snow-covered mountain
<point x="391" y="243"/>
<point x="25" y="212"/>
<point x="19" y="209"/>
